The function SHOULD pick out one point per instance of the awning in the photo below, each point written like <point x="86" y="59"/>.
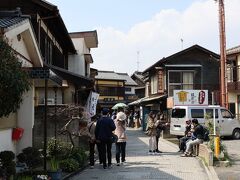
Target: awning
<point x="72" y="77"/>
<point x="137" y="102"/>
<point x="150" y="99"/>
<point x="146" y="100"/>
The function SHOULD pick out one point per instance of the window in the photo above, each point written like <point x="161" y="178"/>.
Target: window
<point x="226" y="114"/>
<point x="180" y="80"/>
<point x="178" y="113"/>
<point x="111" y="91"/>
<point x="197" y="113"/>
<point x="48" y="52"/>
<point x="128" y="89"/>
<point x="209" y="112"/>
<point x="154" y="84"/>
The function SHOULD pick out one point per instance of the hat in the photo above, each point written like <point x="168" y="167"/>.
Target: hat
<point x="121" y="116"/>
<point x="105" y="110"/>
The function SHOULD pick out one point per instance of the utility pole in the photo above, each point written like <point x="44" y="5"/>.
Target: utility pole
<point x="223" y="77"/>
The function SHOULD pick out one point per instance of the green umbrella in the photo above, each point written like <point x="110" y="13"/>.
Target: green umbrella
<point x="119" y="105"/>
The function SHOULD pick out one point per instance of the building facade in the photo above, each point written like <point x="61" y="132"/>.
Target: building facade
<point x="233" y="81"/>
<point x="19" y="33"/>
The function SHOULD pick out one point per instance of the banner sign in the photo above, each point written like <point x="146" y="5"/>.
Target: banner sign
<point x="190" y="97"/>
<point x="91" y="105"/>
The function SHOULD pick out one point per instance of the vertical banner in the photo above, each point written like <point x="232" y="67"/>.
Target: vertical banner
<point x="91" y="105"/>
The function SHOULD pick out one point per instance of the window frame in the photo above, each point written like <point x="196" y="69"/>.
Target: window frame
<point x="181" y="83"/>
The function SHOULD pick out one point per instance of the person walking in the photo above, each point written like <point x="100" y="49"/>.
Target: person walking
<point x="92" y="141"/>
<point x="103" y="134"/>
<point x="120" y="131"/>
<point x="151" y="129"/>
<point x="160" y="125"/>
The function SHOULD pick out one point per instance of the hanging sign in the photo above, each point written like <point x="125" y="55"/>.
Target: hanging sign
<point x="190" y="97"/>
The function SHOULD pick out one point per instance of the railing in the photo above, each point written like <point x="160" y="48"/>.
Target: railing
<point x="233" y="77"/>
<point x="233" y="73"/>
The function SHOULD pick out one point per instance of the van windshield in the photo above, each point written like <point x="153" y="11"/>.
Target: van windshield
<point x="178" y="113"/>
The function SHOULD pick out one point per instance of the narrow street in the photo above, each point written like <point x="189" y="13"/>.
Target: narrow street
<point x="140" y="165"/>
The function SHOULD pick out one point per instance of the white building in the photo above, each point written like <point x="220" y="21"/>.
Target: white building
<point x="79" y="63"/>
<point x="20" y="35"/>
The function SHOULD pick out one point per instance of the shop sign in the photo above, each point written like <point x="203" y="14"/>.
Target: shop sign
<point x="190" y="97"/>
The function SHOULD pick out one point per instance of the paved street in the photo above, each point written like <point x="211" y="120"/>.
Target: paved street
<point x="232" y="172"/>
<point x="140" y="165"/>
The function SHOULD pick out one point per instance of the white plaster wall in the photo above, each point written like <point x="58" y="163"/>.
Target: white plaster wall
<point x="27" y="37"/>
<point x="6" y="142"/>
<point x="40" y="93"/>
<point x="25" y="116"/>
<point x="238" y="60"/>
<point x="15" y="43"/>
<point x="232" y="97"/>
<point x="132" y="90"/>
<point x="80" y="45"/>
<point x="76" y="64"/>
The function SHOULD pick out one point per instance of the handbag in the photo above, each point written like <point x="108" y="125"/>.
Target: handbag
<point x="114" y="138"/>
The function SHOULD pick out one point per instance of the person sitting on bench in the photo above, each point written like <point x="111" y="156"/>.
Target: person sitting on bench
<point x="197" y="137"/>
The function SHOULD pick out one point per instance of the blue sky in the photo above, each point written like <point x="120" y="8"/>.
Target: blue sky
<point x="120" y="14"/>
<point x="154" y="28"/>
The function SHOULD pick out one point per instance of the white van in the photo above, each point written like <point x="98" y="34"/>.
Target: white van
<point x="225" y="120"/>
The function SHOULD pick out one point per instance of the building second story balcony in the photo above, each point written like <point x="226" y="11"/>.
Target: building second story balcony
<point x="233" y="78"/>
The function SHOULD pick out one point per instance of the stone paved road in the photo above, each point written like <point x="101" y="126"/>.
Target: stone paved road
<point x="141" y="166"/>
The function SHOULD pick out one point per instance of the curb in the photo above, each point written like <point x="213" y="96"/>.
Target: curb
<point x="74" y="173"/>
<point x="212" y="175"/>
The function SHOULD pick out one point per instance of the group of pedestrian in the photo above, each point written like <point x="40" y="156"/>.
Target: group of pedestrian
<point x="194" y="135"/>
<point x="101" y="134"/>
<point x="155" y="125"/>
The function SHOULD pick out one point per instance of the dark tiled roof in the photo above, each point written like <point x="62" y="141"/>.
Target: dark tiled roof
<point x="164" y="60"/>
<point x="6" y="22"/>
<point x="109" y="75"/>
<point x="128" y="80"/>
<point x="233" y="50"/>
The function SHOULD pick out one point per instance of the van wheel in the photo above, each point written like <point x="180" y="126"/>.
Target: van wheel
<point x="236" y="134"/>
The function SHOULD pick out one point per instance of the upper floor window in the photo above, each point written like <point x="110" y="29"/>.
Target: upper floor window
<point x="128" y="89"/>
<point x="48" y="51"/>
<point x="154" y="84"/>
<point x="179" y="80"/>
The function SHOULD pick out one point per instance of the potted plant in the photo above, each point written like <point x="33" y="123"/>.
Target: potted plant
<point x="54" y="171"/>
<point x="7" y="164"/>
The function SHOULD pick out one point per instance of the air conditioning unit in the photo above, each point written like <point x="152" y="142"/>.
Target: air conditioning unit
<point x="49" y="101"/>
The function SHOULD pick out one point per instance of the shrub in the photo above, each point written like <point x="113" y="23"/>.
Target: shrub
<point x="69" y="165"/>
<point x="13" y="80"/>
<point x="31" y="156"/>
<point x="6" y="156"/>
<point x="58" y="149"/>
<point x="8" y="166"/>
<point x="79" y="155"/>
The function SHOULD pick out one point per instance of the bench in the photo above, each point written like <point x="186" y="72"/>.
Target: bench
<point x="204" y="152"/>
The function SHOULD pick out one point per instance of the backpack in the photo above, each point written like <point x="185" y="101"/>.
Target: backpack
<point x="205" y="134"/>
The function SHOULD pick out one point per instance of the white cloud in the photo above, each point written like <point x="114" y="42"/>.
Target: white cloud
<point x="160" y="36"/>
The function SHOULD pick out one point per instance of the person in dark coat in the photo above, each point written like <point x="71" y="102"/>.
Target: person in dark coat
<point x="197" y="137"/>
<point x="187" y="136"/>
<point x="103" y="134"/>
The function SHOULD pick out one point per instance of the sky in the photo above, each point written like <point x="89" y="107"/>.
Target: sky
<point x="145" y="31"/>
